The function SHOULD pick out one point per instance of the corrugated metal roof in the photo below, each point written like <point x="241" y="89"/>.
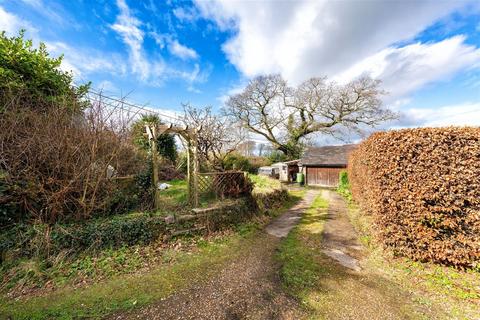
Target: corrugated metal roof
<point x="328" y="155"/>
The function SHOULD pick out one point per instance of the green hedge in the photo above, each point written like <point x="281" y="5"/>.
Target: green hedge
<point x="42" y="239"/>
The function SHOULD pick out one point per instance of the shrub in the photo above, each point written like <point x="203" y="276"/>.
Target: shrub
<point x="344" y="185"/>
<point x="24" y="68"/>
<point x="236" y="161"/>
<point x="28" y="240"/>
<point x="56" y="147"/>
<point x="57" y="170"/>
<point x="422" y="188"/>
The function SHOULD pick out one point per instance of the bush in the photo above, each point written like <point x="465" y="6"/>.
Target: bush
<point x="28" y="240"/>
<point x="56" y="148"/>
<point x="236" y="161"/>
<point x="24" y="68"/>
<point x="422" y="188"/>
<point x="344" y="185"/>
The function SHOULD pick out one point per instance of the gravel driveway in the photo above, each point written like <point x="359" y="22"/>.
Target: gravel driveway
<point x="249" y="288"/>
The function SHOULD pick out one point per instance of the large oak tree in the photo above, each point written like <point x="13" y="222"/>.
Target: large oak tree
<point x="286" y="115"/>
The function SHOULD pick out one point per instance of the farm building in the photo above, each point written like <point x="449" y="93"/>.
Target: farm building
<point x="269" y="171"/>
<point x="287" y="171"/>
<point x="322" y="165"/>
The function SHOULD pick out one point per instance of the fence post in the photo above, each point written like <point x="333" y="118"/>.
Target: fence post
<point x="155" y="167"/>
<point x="196" y="170"/>
<point x="189" y="170"/>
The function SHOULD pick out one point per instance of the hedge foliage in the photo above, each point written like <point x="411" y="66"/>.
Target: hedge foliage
<point x="422" y="188"/>
<point x="25" y="240"/>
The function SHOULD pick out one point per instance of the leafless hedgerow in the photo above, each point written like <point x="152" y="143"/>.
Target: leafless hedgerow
<point x="58" y="164"/>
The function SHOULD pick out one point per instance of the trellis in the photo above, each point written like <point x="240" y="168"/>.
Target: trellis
<point x="193" y="166"/>
<point x="222" y="183"/>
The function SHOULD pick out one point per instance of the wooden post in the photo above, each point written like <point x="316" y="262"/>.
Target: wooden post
<point x="189" y="170"/>
<point x="153" y="145"/>
<point x="196" y="169"/>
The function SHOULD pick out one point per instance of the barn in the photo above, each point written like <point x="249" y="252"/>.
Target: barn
<point x="322" y="165"/>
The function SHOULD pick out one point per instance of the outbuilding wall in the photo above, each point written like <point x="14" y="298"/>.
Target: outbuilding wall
<point x="322" y="176"/>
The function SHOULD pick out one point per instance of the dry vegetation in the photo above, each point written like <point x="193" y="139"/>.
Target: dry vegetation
<point x="59" y="170"/>
<point x="422" y="188"/>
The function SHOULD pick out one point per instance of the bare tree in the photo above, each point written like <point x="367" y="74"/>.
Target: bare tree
<point x="247" y="147"/>
<point x="285" y="116"/>
<point x="217" y="135"/>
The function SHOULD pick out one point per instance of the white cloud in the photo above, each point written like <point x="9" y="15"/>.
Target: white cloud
<point x="107" y="86"/>
<point x="467" y="114"/>
<point x="186" y="14"/>
<point x="176" y="48"/>
<point x="44" y="10"/>
<point x="153" y="72"/>
<point x="11" y="24"/>
<point x="128" y="27"/>
<point x="406" y="69"/>
<point x="181" y="51"/>
<point x="301" y="39"/>
<point x="74" y="60"/>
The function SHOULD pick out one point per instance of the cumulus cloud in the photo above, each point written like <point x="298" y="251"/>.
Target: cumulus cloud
<point x="155" y="72"/>
<point x="466" y="114"/>
<point x="74" y="60"/>
<point x="406" y="69"/>
<point x="11" y="24"/>
<point x="49" y="13"/>
<point x="186" y="14"/>
<point x="176" y="48"/>
<point x="347" y="39"/>
<point x="301" y="39"/>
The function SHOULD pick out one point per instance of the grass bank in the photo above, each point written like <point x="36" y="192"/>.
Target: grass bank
<point x="155" y="273"/>
<point x="457" y="291"/>
<point x="384" y="289"/>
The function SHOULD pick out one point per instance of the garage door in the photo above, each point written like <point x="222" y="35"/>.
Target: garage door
<point x="325" y="177"/>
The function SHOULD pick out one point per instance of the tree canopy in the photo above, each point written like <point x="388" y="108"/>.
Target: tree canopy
<point x="166" y="146"/>
<point x="286" y="115"/>
<point x="31" y="72"/>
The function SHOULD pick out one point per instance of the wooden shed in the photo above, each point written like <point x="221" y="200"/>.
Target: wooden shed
<point x="287" y="170"/>
<point x="322" y="165"/>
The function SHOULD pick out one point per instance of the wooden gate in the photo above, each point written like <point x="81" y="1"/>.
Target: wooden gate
<point x="321" y="176"/>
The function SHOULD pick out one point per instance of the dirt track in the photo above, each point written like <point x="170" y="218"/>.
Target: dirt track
<point x="249" y="288"/>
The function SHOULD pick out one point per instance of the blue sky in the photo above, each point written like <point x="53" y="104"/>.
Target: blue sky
<point x="164" y="53"/>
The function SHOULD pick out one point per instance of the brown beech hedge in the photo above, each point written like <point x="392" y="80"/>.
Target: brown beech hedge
<point x="422" y="188"/>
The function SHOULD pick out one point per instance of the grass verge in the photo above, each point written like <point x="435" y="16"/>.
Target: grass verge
<point x="458" y="291"/>
<point x="330" y="291"/>
<point x="176" y="270"/>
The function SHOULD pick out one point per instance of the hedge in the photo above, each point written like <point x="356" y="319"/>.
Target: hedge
<point x="422" y="188"/>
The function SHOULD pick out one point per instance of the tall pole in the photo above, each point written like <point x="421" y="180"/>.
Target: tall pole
<point x="196" y="169"/>
<point x="189" y="170"/>
<point x="155" y="166"/>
